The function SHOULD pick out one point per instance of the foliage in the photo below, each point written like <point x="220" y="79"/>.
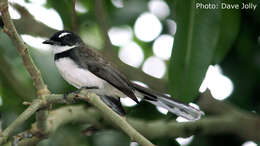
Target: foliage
<point x="195" y="44"/>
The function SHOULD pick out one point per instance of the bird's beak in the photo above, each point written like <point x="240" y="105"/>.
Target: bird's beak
<point x="50" y="42"/>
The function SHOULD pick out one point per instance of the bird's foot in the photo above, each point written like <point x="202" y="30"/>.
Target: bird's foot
<point x="65" y="98"/>
<point x="76" y="93"/>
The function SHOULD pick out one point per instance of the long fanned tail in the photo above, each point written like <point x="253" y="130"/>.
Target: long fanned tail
<point x="172" y="105"/>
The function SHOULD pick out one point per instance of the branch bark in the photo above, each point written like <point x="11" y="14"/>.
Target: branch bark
<point x="10" y="30"/>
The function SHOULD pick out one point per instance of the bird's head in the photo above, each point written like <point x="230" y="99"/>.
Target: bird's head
<point x="63" y="41"/>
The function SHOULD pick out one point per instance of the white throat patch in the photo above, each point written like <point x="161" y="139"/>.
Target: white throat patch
<point x="63" y="34"/>
<point x="60" y="49"/>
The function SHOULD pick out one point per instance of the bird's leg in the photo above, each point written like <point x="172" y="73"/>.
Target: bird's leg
<point x="87" y="88"/>
<point x="65" y="97"/>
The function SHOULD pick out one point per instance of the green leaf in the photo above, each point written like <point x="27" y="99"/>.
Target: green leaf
<point x="195" y="43"/>
<point x="230" y="24"/>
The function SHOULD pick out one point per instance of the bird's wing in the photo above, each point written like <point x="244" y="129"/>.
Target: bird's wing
<point x="97" y="65"/>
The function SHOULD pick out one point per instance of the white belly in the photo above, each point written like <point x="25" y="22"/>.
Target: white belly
<point x="77" y="76"/>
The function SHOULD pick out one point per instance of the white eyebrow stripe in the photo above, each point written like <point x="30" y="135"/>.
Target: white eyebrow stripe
<point x="63" y="34"/>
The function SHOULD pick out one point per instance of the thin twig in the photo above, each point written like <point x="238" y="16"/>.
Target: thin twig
<point x="74" y="20"/>
<point x="103" y="23"/>
<point x="20" y="120"/>
<point x="25" y="23"/>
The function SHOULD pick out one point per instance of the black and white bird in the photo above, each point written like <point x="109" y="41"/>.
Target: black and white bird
<point x="83" y="67"/>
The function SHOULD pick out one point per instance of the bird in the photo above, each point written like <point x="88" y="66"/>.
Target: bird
<point x="84" y="67"/>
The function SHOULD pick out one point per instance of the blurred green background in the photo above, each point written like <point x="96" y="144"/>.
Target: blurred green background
<point x="185" y="48"/>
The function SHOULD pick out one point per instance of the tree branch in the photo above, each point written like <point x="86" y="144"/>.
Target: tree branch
<point x="215" y="107"/>
<point x="74" y="20"/>
<point x="115" y="118"/>
<point x="247" y="127"/>
<point x="20" y="120"/>
<point x="103" y="23"/>
<point x="34" y="72"/>
<point x="25" y="23"/>
<point x="10" y="30"/>
<point x="85" y="96"/>
<point x="62" y="116"/>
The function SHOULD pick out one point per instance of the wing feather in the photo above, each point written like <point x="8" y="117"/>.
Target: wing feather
<point x="97" y="65"/>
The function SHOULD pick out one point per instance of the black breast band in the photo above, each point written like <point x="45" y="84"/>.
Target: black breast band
<point x="69" y="53"/>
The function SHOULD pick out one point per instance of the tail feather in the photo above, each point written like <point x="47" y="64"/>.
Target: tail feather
<point x="114" y="104"/>
<point x="172" y="105"/>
